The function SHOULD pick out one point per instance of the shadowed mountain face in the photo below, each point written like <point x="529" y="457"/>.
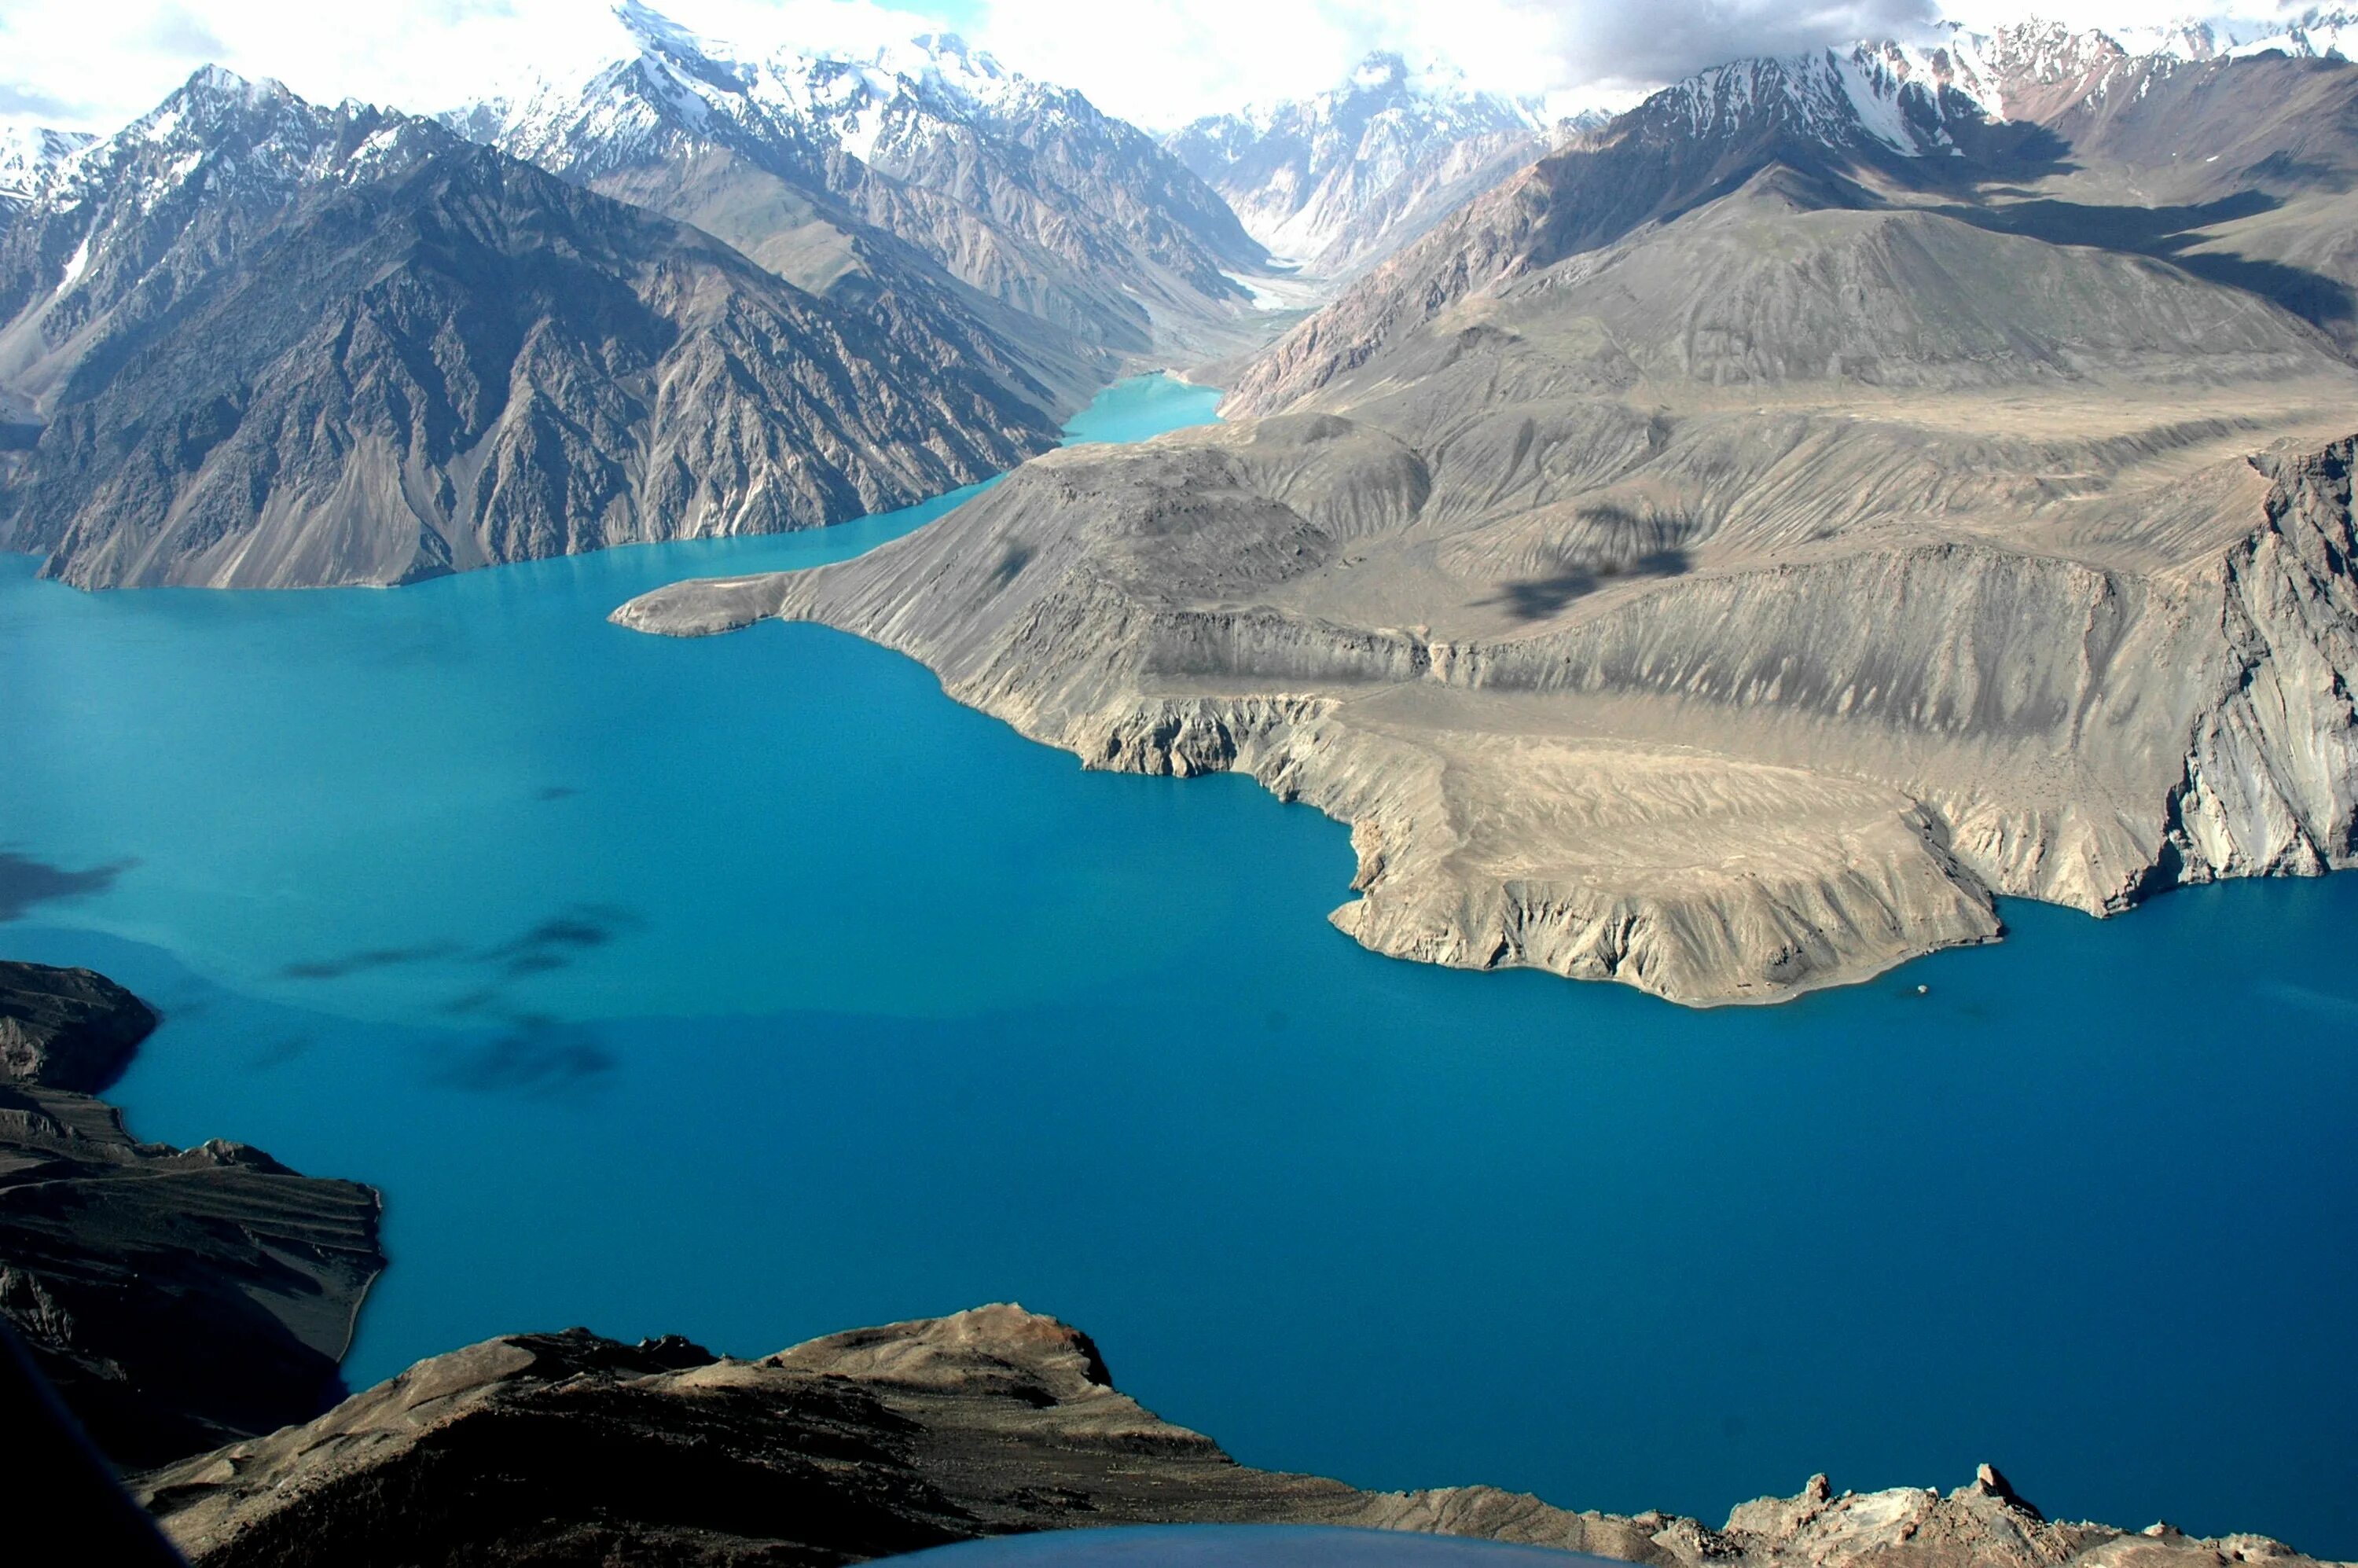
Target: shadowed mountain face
<point x="565" y="1447"/>
<point x="927" y="159"/>
<point x="1730" y="555"/>
<point x="176" y="1298"/>
<point x="280" y="345"/>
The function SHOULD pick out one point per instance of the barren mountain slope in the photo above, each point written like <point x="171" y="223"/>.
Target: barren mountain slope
<point x="1729" y="610"/>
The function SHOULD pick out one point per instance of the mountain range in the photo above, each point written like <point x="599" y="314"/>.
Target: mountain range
<point x="277" y="345"/>
<point x="822" y="167"/>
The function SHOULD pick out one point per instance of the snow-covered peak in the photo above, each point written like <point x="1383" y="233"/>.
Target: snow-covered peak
<point x="2316" y="34"/>
<point x="652" y="29"/>
<point x="29" y="153"/>
<point x="1905" y="95"/>
<point x="645" y="79"/>
<point x="1433" y="94"/>
<point x="1382" y="146"/>
<point x="228" y="137"/>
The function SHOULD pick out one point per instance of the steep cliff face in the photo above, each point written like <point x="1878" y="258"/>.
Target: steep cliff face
<point x="176" y="1298"/>
<point x="279" y="345"/>
<point x="568" y="1447"/>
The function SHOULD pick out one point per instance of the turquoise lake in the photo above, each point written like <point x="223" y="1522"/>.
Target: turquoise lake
<point x="749" y="988"/>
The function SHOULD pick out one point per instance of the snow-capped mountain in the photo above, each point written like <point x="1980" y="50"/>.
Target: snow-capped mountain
<point x="270" y="342"/>
<point x="1928" y="98"/>
<point x="1340" y="178"/>
<point x="123" y="231"/>
<point x="2316" y="34"/>
<point x="2193" y="113"/>
<point x="1018" y="189"/>
<point x="27" y="153"/>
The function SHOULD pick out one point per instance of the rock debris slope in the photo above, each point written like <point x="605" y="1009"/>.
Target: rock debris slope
<point x="570" y="1448"/>
<point x="1725" y="557"/>
<point x="276" y="344"/>
<point x="176" y="1298"/>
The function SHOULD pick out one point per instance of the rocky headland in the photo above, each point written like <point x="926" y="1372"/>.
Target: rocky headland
<point x="1730" y="556"/>
<point x="569" y="1448"/>
<point x="176" y="1298"/>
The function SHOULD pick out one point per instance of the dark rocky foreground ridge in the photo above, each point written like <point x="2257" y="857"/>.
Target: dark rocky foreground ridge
<point x="570" y="1448"/>
<point x="176" y="1298"/>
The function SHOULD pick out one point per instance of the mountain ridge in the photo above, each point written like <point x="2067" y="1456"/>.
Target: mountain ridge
<point x="1020" y="189"/>
<point x="282" y="345"/>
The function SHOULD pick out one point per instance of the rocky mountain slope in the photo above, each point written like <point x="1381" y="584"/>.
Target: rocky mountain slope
<point x="919" y="157"/>
<point x="277" y="344"/>
<point x="176" y="1298"/>
<point x="1339" y="179"/>
<point x="568" y="1447"/>
<point x="1729" y="555"/>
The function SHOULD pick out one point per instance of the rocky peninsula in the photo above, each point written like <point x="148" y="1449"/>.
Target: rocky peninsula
<point x="176" y="1298"/>
<point x="568" y="1447"/>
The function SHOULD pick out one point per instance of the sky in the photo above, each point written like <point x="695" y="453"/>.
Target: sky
<point x="94" y="64"/>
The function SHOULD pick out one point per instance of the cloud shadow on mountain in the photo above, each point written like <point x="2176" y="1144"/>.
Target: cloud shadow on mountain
<point x="2169" y="233"/>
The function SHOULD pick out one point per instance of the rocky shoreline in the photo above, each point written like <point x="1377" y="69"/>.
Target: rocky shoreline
<point x="177" y="1298"/>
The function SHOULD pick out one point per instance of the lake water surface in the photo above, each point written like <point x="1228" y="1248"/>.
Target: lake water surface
<point x="749" y="988"/>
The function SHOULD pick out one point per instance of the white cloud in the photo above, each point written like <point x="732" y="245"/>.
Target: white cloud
<point x="93" y="64"/>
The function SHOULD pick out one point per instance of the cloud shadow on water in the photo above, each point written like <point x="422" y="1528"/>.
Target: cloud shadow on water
<point x="366" y="959"/>
<point x="536" y="1056"/>
<point x="26" y="882"/>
